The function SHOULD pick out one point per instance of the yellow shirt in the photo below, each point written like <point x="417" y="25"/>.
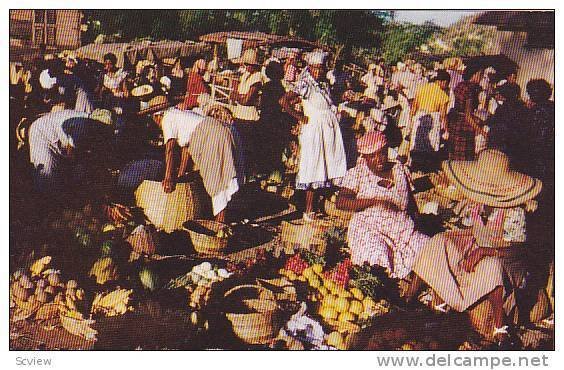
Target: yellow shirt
<point x="430" y="97"/>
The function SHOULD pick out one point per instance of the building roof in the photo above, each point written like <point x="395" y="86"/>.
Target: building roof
<point x="255" y="39"/>
<point x="517" y="20"/>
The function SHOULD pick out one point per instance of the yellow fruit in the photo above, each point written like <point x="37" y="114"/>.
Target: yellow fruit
<point x="364" y="316"/>
<point x="328" y="313"/>
<point x="341" y="304"/>
<point x="329" y="300"/>
<point x="292" y="275"/>
<point x="335" y="339"/>
<point x="317" y="268"/>
<point x="302" y="278"/>
<point x="324" y="291"/>
<point x="347" y="317"/>
<point x="342" y="292"/>
<point x="308" y="273"/>
<point x="356" y="307"/>
<point x="282" y="272"/>
<point x="329" y="284"/>
<point x="314" y="282"/>
<point x="357" y="294"/>
<point x="368" y="303"/>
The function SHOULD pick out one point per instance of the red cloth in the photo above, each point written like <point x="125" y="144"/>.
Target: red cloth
<point x="194" y="87"/>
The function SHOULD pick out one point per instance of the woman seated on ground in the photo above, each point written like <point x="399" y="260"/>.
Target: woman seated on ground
<point x="464" y="266"/>
<point x="380" y="232"/>
<point x="209" y="143"/>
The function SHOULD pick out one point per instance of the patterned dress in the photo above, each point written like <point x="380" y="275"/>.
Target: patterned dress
<point x="462" y="138"/>
<point x="372" y="230"/>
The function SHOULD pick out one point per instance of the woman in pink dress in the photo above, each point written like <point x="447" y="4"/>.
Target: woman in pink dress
<point x="380" y="232"/>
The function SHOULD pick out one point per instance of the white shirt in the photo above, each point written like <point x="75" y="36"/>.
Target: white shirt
<point x="180" y="125"/>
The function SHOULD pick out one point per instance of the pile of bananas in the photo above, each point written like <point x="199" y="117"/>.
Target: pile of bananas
<point x="42" y="294"/>
<point x="114" y="303"/>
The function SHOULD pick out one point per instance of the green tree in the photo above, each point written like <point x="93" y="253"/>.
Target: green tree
<point x="402" y="38"/>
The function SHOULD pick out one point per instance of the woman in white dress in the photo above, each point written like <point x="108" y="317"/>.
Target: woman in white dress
<point x="322" y="154"/>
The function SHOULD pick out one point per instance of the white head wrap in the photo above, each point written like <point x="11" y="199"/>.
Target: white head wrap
<point x="46" y="81"/>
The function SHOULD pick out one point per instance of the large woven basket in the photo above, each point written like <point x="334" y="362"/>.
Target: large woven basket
<point x="207" y="244"/>
<point x="261" y="323"/>
<point x="189" y="201"/>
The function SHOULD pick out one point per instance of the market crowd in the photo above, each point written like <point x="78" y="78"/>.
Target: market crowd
<point x="365" y="137"/>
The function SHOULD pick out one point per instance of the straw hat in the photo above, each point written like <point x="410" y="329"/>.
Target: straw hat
<point x="142" y="90"/>
<point x="489" y="180"/>
<point x="250" y="56"/>
<point x="103" y="115"/>
<point x="155" y="105"/>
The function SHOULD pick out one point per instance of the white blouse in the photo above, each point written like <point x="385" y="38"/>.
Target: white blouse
<point x="180" y="125"/>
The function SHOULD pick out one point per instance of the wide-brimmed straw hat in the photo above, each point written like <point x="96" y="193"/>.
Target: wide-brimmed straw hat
<point x="142" y="90"/>
<point x="249" y="56"/>
<point x="490" y="181"/>
<point x="157" y="104"/>
<point x="104" y="116"/>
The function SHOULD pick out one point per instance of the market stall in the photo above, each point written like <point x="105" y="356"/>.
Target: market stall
<point x="128" y="54"/>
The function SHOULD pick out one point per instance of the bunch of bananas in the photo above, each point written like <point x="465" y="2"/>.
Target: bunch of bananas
<point x="43" y="294"/>
<point x="104" y="270"/>
<point x="113" y="303"/>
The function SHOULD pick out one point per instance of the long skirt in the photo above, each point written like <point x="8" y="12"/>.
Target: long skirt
<point x="438" y="264"/>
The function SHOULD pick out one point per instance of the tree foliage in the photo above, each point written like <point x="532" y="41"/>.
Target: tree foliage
<point x="402" y="38"/>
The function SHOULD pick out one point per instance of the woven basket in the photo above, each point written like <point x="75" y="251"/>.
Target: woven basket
<point x="208" y="244"/>
<point x="189" y="201"/>
<point x="262" y="323"/>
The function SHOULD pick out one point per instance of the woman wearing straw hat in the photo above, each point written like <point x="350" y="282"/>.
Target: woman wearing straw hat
<point x="380" y="232"/>
<point x="322" y="154"/>
<point x="463" y="266"/>
<point x="209" y="143"/>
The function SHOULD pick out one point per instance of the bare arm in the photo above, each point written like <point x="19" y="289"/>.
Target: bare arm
<point x="287" y="103"/>
<point x="347" y="201"/>
<point x="470" y="118"/>
<point x="169" y="178"/>
<point x="250" y="97"/>
<point x="184" y="159"/>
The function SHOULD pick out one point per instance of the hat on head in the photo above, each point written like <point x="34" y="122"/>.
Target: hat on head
<point x="372" y="66"/>
<point x="103" y="115"/>
<point x="158" y="101"/>
<point x="249" y="56"/>
<point x="371" y="142"/>
<point x="142" y="90"/>
<point x="490" y="181"/>
<point x="315" y="57"/>
<point x="389" y="102"/>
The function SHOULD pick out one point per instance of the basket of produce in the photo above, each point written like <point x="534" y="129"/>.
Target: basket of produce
<point x="208" y="237"/>
<point x="255" y="316"/>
